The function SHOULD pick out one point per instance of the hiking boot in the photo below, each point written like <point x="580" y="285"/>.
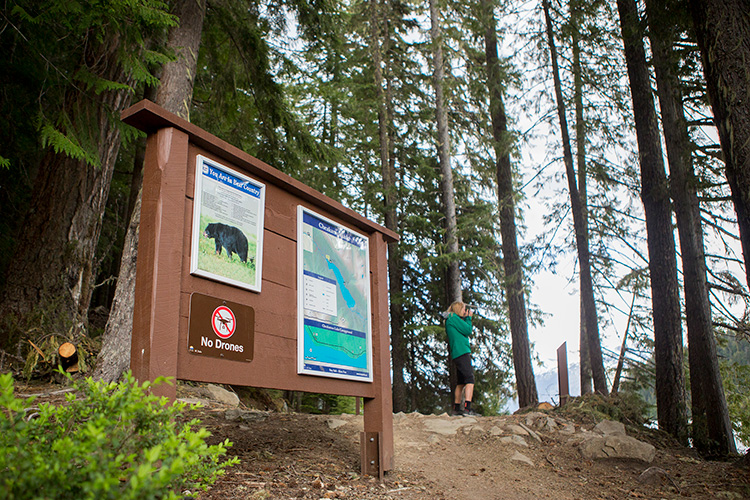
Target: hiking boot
<point x="470" y="413"/>
<point x="458" y="413"/>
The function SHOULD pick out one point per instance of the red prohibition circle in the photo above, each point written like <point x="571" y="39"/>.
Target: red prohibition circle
<point x="223" y="322"/>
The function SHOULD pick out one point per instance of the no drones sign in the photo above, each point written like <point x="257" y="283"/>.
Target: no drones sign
<point x="220" y="329"/>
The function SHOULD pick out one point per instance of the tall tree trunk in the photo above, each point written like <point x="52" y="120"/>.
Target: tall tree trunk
<point x="584" y="261"/>
<point x="525" y="383"/>
<point x="453" y="275"/>
<point x="723" y="29"/>
<point x="176" y="85"/>
<point x="683" y="189"/>
<point x="64" y="220"/>
<point x="580" y="127"/>
<point x="665" y="298"/>
<point x="174" y="94"/>
<point x="114" y="357"/>
<point x="725" y="67"/>
<point x="395" y="259"/>
<point x="378" y="46"/>
<point x="623" y="350"/>
<point x="444" y="155"/>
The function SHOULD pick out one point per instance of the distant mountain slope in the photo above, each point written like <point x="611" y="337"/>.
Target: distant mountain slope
<point x="546" y="386"/>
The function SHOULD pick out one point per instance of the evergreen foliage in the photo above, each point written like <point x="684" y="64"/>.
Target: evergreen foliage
<point x="734" y="359"/>
<point x="46" y="46"/>
<point x="67" y="63"/>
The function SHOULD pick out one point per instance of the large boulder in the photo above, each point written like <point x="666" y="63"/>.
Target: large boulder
<point x="617" y="446"/>
<point x="222" y="395"/>
<point x="610" y="428"/>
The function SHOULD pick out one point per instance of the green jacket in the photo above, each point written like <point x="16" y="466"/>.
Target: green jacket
<point x="459" y="331"/>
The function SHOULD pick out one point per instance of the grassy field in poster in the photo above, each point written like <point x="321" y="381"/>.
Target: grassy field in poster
<point x="222" y="264"/>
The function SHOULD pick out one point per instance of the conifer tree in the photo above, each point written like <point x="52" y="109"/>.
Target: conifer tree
<point x="101" y="55"/>
<point x="723" y="32"/>
<point x="718" y="27"/>
<point x="515" y="293"/>
<point x="590" y="322"/>
<point x="661" y="247"/>
<point x="444" y="154"/>
<point x="174" y="94"/>
<point x="673" y="418"/>
<point x="380" y="43"/>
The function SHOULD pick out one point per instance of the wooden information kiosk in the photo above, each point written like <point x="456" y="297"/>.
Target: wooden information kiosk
<point x="248" y="277"/>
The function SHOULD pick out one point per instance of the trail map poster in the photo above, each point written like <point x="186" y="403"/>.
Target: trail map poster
<point x="227" y="238"/>
<point x="334" y="337"/>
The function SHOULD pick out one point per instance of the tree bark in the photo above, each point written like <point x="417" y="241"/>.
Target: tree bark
<point x="176" y="84"/>
<point x="62" y="226"/>
<point x="683" y="188"/>
<point x="623" y="351"/>
<point x="444" y="154"/>
<point x="580" y="128"/>
<point x="174" y="94"/>
<point x="525" y="382"/>
<point x="114" y="357"/>
<point x="591" y="325"/>
<point x="379" y="45"/>
<point x="396" y="261"/>
<point x="723" y="30"/>
<point x="661" y="247"/>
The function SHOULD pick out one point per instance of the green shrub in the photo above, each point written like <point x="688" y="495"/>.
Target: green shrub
<point x="107" y="441"/>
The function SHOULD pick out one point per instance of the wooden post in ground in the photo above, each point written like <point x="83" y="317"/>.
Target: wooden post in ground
<point x="156" y="317"/>
<point x="562" y="373"/>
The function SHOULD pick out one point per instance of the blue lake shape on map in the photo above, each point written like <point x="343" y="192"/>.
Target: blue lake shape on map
<point x="350" y="302"/>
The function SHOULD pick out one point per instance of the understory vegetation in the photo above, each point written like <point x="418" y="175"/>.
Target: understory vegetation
<point x="105" y="441"/>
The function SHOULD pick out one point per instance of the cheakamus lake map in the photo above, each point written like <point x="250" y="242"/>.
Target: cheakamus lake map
<point x="336" y="299"/>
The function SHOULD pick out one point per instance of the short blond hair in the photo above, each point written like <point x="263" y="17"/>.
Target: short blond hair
<point x="456" y="307"/>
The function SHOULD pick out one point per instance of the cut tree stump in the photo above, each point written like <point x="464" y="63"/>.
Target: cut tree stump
<point x="68" y="357"/>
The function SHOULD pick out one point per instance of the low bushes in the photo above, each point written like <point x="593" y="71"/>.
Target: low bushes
<point x="107" y="441"/>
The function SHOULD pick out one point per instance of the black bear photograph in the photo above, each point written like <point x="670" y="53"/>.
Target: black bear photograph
<point x="228" y="237"/>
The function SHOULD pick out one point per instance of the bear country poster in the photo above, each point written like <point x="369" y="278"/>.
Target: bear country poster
<point x="227" y="239"/>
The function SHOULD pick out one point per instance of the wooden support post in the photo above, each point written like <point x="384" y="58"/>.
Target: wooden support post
<point x="562" y="373"/>
<point x="156" y="315"/>
<point x="379" y="410"/>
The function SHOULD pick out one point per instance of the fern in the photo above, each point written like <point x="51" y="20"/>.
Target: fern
<point x="136" y="64"/>
<point x="129" y="133"/>
<point x="66" y="144"/>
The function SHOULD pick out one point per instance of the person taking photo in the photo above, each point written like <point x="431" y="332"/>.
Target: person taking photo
<point x="458" y="329"/>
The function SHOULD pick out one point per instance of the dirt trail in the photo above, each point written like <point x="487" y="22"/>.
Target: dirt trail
<point x="472" y="464"/>
<point x="442" y="457"/>
<point x="515" y="457"/>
